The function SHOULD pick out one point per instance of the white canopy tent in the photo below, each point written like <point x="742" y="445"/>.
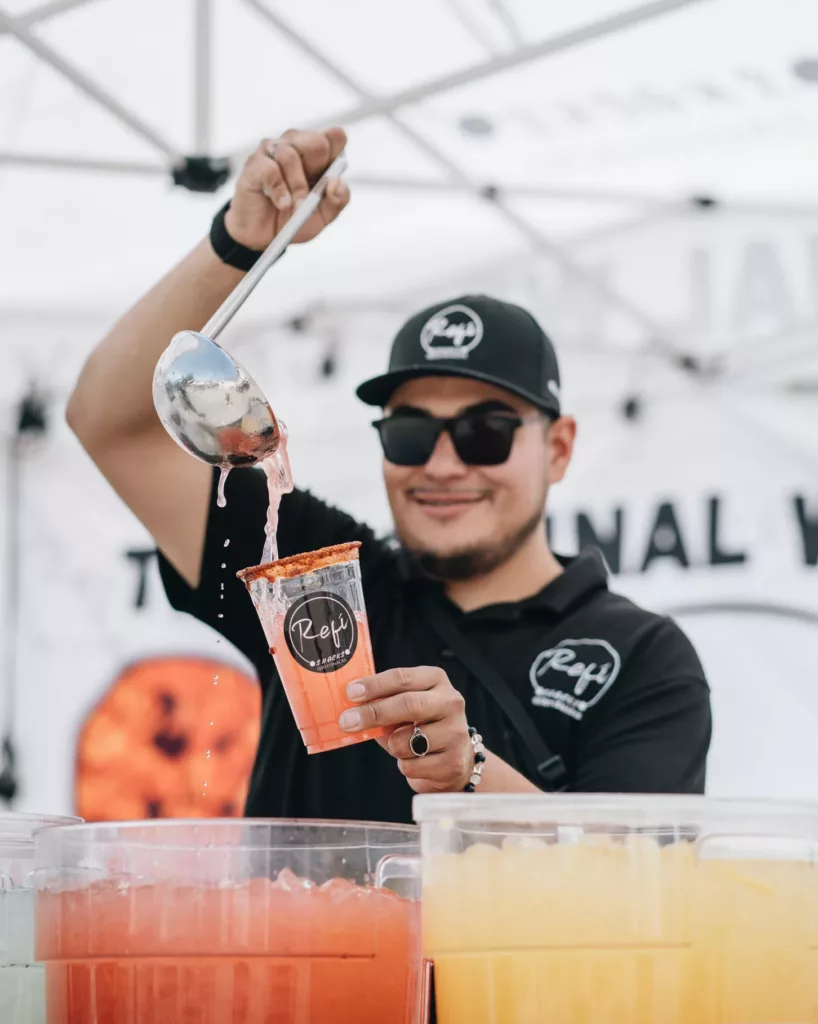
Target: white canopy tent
<point x="569" y="118"/>
<point x="641" y="175"/>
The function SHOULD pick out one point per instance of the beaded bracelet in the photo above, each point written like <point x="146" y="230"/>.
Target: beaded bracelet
<point x="479" y="760"/>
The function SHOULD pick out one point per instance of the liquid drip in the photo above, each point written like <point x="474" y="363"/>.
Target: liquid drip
<point x="220" y="616"/>
<point x="221" y="500"/>
<point x="267" y="596"/>
<point x="279" y="482"/>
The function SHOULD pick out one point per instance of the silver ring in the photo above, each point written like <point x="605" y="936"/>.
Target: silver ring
<point x="271" y="150"/>
<point x="419" y="743"/>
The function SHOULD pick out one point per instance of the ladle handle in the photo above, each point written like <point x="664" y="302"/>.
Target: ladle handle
<point x="241" y="293"/>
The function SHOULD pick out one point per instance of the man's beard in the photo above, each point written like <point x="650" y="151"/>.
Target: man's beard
<point x="470" y="563"/>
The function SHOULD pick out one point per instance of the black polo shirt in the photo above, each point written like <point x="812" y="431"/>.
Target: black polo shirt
<point x="616" y="691"/>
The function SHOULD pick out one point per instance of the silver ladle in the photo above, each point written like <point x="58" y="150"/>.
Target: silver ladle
<point x="206" y="400"/>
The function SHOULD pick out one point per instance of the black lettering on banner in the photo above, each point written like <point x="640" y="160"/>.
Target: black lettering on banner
<point x="809" y="531"/>
<point x="718" y="555"/>
<point x="610" y="544"/>
<point x="142" y="558"/>
<point x="321" y="631"/>
<point x="666" y="538"/>
<point x="763" y="295"/>
<point x="701" y="291"/>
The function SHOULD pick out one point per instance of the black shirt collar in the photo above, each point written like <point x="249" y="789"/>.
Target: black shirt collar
<point x="582" y="576"/>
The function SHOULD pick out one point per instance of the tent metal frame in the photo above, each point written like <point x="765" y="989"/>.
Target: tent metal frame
<point x="374" y="106"/>
<point x="540" y="243"/>
<point x="85" y="84"/>
<point x="48" y="161"/>
<point x="463" y="11"/>
<point x="45" y="12"/>
<point x="394" y="108"/>
<point x="368" y="105"/>
<point x="203" y="72"/>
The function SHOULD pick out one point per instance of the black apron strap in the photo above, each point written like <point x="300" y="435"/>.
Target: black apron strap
<point x="548" y="768"/>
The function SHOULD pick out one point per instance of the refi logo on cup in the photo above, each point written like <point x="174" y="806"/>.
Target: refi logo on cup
<point x="321" y="631"/>
<point x="451" y="333"/>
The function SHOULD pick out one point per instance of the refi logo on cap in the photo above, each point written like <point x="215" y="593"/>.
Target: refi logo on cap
<point x="451" y="333"/>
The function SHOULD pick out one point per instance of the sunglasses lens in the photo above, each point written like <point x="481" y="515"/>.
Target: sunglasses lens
<point x="408" y="440"/>
<point x="484" y="440"/>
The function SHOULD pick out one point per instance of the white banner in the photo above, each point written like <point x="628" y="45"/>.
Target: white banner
<point x="704" y="498"/>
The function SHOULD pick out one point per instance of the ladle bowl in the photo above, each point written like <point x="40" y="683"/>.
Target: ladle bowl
<point x="206" y="400"/>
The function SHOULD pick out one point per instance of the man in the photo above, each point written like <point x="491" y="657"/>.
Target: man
<point x="473" y="438"/>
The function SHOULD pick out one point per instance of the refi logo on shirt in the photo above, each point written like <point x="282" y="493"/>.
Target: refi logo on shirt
<point x="321" y="631"/>
<point x="452" y="333"/>
<point x="574" y="675"/>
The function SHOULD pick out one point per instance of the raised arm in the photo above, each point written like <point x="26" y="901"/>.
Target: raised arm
<point x="111" y="409"/>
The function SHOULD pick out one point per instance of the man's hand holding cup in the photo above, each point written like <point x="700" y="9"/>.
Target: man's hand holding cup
<point x="416" y="701"/>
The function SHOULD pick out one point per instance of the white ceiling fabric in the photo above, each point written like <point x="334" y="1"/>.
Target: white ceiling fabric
<point x="660" y="101"/>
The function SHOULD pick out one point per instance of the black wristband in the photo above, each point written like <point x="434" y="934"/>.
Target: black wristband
<point x="229" y="251"/>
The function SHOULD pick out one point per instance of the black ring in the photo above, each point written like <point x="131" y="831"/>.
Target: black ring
<point x="419" y="743"/>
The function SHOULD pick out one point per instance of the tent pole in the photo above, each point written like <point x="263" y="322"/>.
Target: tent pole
<point x="508" y="20"/>
<point x="203" y="76"/>
<point x="372" y="106"/>
<point x="11" y="638"/>
<point x="86" y="85"/>
<point x="656" y="333"/>
<point x="653" y="206"/>
<point x="470" y="24"/>
<point x="568" y="194"/>
<point x="46" y="12"/>
<point x="68" y="163"/>
<point x="765" y="208"/>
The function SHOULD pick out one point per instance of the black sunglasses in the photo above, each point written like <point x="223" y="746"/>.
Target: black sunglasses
<point x="480" y="437"/>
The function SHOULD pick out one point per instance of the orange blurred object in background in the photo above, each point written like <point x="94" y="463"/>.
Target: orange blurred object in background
<point x="173" y="738"/>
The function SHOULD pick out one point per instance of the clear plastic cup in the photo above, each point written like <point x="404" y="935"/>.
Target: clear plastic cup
<point x="22" y="990"/>
<point x="247" y="922"/>
<point x="312" y="610"/>
<point x="620" y="909"/>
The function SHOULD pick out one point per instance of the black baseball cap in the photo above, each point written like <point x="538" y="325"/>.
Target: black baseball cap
<point x="473" y="336"/>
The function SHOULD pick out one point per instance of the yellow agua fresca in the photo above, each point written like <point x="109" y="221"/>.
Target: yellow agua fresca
<point x="622" y="930"/>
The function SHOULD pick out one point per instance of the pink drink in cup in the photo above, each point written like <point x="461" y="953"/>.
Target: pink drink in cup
<point x="312" y="609"/>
